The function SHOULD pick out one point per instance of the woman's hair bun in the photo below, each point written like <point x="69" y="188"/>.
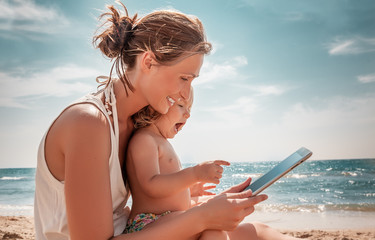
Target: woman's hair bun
<point x="118" y="32"/>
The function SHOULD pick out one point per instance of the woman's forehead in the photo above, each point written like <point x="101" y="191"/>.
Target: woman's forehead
<point x="190" y="65"/>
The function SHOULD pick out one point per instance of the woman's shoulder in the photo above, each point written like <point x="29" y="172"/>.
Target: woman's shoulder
<point x="80" y="125"/>
<point x="85" y="114"/>
<point x="80" y="119"/>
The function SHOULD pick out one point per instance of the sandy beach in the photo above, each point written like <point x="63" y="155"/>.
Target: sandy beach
<point x="21" y="227"/>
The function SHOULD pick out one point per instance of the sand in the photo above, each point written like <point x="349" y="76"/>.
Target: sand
<point x="19" y="227"/>
<point x="22" y="227"/>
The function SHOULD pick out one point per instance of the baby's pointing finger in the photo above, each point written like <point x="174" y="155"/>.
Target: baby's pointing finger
<point x="222" y="162"/>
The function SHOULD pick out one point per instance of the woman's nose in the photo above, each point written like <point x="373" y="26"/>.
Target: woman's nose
<point x="185" y="92"/>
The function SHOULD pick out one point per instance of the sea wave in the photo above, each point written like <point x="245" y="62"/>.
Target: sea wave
<point x="12" y="178"/>
<point x="16" y="210"/>
<point x="297" y="176"/>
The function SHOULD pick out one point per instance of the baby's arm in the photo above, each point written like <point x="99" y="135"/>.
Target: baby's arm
<point x="143" y="154"/>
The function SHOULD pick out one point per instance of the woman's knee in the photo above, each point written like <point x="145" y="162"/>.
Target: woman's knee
<point x="260" y="226"/>
<point x="251" y="230"/>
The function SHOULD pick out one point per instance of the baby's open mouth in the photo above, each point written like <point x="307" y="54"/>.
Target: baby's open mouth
<point x="178" y="126"/>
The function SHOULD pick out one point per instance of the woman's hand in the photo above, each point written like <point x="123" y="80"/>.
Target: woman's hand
<point x="226" y="210"/>
<point x="239" y="187"/>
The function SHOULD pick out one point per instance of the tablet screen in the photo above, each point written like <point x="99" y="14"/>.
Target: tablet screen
<point x="279" y="170"/>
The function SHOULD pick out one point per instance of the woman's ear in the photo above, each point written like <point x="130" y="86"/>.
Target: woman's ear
<point x="147" y="60"/>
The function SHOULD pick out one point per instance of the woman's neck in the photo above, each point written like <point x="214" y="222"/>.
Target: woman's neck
<point x="129" y="104"/>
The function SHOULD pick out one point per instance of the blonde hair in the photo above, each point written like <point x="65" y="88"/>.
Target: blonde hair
<point x="169" y="35"/>
<point x="145" y="117"/>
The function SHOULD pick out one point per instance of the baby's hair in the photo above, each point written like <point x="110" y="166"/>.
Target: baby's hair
<point x="145" y="117"/>
<point x="169" y="35"/>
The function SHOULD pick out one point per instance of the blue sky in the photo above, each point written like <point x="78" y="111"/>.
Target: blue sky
<point x="283" y="74"/>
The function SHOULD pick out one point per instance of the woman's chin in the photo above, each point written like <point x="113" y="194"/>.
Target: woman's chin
<point x="161" y="109"/>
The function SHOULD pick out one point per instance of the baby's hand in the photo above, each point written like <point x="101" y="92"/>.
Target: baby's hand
<point x="199" y="189"/>
<point x="210" y="172"/>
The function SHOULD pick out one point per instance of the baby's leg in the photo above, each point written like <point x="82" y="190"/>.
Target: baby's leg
<point x="214" y="235"/>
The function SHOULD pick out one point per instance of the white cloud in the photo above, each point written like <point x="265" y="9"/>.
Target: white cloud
<point x="59" y="81"/>
<point x="28" y="17"/>
<point x="269" y="90"/>
<point x="355" y="45"/>
<point x="366" y="78"/>
<point x="226" y="71"/>
<point x="264" y="90"/>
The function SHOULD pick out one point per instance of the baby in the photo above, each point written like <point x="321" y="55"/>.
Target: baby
<point x="159" y="186"/>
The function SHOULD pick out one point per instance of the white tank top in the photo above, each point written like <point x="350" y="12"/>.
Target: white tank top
<point x="49" y="204"/>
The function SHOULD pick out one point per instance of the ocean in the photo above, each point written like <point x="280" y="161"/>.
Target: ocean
<point x="314" y="186"/>
<point x="17" y="187"/>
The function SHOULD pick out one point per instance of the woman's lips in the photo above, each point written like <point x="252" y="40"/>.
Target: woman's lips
<point x="171" y="101"/>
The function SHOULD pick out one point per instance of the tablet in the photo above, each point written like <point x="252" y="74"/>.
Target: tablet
<point x="279" y="170"/>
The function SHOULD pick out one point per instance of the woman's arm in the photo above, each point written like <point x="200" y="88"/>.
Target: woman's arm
<point x="85" y="144"/>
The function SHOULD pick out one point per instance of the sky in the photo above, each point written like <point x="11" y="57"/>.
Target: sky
<point x="282" y="75"/>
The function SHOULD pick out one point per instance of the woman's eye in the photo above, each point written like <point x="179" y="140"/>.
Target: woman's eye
<point x="180" y="105"/>
<point x="184" y="78"/>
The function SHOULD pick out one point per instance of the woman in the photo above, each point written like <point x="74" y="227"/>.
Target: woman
<point x="80" y="192"/>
